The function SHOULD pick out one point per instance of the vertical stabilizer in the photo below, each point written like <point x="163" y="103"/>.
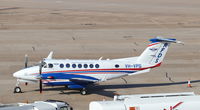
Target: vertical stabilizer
<point x="156" y="51"/>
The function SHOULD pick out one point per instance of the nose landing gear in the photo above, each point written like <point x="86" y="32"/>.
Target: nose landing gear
<point x="17" y="89"/>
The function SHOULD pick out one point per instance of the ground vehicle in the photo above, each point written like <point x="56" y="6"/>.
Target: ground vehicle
<point x="172" y="101"/>
<point x="38" y="105"/>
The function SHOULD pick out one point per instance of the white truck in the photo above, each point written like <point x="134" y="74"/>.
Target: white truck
<point x="171" y="101"/>
<point x="38" y="105"/>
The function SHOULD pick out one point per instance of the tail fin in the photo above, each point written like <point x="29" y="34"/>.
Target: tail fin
<point x="156" y="51"/>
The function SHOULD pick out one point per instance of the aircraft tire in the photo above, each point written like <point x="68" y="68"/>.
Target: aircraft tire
<point x="83" y="92"/>
<point x="17" y="90"/>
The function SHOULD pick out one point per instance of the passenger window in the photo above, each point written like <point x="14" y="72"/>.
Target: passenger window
<point x="67" y="65"/>
<point x="91" y="65"/>
<point x="97" y="65"/>
<point x="50" y="65"/>
<point x="79" y="65"/>
<point x="116" y="66"/>
<point x="61" y="65"/>
<point x="85" y="65"/>
<point x="74" y="65"/>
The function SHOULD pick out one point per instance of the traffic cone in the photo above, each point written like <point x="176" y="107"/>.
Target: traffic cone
<point x="189" y="84"/>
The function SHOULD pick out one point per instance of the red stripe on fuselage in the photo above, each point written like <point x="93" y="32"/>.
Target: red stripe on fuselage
<point x="153" y="44"/>
<point x="98" y="73"/>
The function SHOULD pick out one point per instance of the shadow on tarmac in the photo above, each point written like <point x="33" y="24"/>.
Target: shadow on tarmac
<point x="100" y="89"/>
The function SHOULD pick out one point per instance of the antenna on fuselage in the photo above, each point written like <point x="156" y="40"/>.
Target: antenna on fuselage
<point x="100" y="58"/>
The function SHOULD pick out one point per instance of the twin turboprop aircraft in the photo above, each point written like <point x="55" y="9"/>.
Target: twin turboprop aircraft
<point x="78" y="74"/>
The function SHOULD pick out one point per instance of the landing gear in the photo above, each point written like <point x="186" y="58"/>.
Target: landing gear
<point x="17" y="90"/>
<point x="83" y="91"/>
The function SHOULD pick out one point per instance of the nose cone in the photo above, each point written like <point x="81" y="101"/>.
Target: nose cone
<point x="17" y="74"/>
<point x="27" y="73"/>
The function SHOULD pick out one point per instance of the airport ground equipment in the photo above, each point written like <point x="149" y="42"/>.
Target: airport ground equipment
<point x="166" y="101"/>
<point x="38" y="105"/>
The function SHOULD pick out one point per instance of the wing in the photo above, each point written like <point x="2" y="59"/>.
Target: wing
<point x="80" y="83"/>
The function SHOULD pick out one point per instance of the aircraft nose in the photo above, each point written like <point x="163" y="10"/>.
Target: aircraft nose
<point x="17" y="74"/>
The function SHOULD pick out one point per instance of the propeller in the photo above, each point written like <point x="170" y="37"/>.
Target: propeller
<point x="40" y="73"/>
<point x="41" y="64"/>
<point x="26" y="61"/>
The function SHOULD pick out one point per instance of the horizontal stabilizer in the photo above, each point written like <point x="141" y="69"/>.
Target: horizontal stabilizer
<point x="168" y="40"/>
<point x="140" y="72"/>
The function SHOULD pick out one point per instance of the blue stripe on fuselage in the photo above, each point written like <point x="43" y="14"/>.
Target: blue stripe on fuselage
<point x="66" y="76"/>
<point x="70" y="75"/>
<point x="70" y="85"/>
<point x="60" y="83"/>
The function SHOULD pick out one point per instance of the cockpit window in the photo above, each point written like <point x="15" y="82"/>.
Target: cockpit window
<point x="50" y="65"/>
<point x="61" y="65"/>
<point x="45" y="65"/>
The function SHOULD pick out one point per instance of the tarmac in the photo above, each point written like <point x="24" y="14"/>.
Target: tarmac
<point x="91" y="29"/>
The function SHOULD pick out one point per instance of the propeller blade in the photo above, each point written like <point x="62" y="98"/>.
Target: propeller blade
<point x="40" y="73"/>
<point x="26" y="61"/>
<point x="40" y="86"/>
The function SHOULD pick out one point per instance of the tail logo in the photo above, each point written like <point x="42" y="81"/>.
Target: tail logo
<point x="161" y="52"/>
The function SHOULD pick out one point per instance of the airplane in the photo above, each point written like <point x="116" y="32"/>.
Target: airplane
<point x="79" y="74"/>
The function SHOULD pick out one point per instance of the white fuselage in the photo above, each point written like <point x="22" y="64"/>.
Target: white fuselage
<point x="98" y="70"/>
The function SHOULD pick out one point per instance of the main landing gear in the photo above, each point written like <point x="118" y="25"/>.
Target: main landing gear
<point x="83" y="91"/>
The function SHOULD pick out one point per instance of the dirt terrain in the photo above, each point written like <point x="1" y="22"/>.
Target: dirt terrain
<point x="90" y="29"/>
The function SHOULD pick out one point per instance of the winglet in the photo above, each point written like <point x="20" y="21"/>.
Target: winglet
<point x="50" y="55"/>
